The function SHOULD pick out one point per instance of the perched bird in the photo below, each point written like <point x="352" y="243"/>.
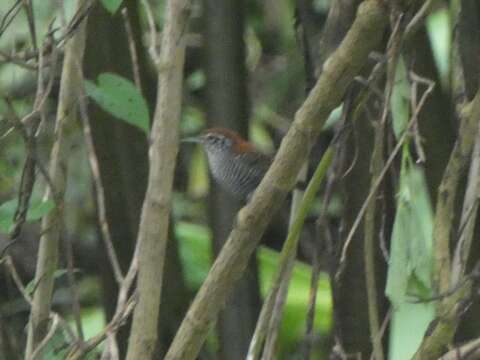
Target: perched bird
<point x="234" y="163"/>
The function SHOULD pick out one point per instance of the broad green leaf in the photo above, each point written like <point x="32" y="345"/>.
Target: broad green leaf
<point x="7" y="210"/>
<point x="410" y="265"/>
<point x="119" y="97"/>
<point x="38" y="209"/>
<point x="411" y="246"/>
<point x="111" y="5"/>
<point x="35" y="212"/>
<point x="408" y="325"/>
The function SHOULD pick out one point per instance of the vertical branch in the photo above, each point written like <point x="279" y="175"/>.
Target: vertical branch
<point x="377" y="164"/>
<point x="52" y="222"/>
<point x="447" y="192"/>
<point x="153" y="231"/>
<point x="469" y="216"/>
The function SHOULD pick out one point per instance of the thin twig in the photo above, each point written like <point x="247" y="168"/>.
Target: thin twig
<point x="132" y="48"/>
<point x="27" y="4"/>
<point x="48" y="248"/>
<point x="9" y="16"/>
<point x="378" y="182"/>
<point x="288" y="252"/>
<point x="77" y="353"/>
<point x="280" y="297"/>
<point x="153" y="33"/>
<point x="47" y="338"/>
<point x="99" y="192"/>
<point x="468" y="217"/>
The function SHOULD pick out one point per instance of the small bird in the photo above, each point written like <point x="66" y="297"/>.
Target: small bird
<point x="234" y="163"/>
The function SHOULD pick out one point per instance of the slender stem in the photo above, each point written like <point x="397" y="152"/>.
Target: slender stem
<point x="289" y="251"/>
<point x="155" y="217"/>
<point x="52" y="222"/>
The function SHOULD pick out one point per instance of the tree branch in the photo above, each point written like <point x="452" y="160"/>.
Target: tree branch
<point x="153" y="231"/>
<point x="448" y="190"/>
<point x="52" y="222"/>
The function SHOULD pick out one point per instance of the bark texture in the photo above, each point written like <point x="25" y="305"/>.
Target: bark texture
<point x="154" y="223"/>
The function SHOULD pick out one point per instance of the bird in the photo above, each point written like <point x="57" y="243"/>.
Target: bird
<point x="236" y="165"/>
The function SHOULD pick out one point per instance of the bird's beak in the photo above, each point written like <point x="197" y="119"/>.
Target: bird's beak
<point x="195" y="139"/>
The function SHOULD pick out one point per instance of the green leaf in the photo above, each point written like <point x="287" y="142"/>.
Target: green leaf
<point x="119" y="97"/>
<point x="7" y="210"/>
<point x="39" y="209"/>
<point x="411" y="246"/>
<point x="440" y="32"/>
<point x="36" y="211"/>
<point x="410" y="265"/>
<point x="111" y="5"/>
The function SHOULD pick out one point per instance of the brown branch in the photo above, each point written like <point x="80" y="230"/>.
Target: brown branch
<point x="444" y="213"/>
<point x="52" y="222"/>
<point x="467" y="351"/>
<point x="374" y="188"/>
<point x="276" y="312"/>
<point x="377" y="163"/>
<point x="99" y="192"/>
<point x="132" y="48"/>
<point x="469" y="216"/>
<point x="442" y="329"/>
<point x="339" y="72"/>
<point x="154" y="222"/>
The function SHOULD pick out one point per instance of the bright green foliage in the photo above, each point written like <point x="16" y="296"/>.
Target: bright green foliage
<point x="119" y="97"/>
<point x="111" y="5"/>
<point x="440" y="33"/>
<point x="410" y="266"/>
<point x="35" y="212"/>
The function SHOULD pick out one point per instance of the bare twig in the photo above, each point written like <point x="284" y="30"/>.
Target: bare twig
<point x="52" y="222"/>
<point x="447" y="192"/>
<point x="132" y="48"/>
<point x="312" y="301"/>
<point x="154" y="222"/>
<point x="79" y="352"/>
<point x="99" y="192"/>
<point x="287" y="258"/>
<point x="376" y="165"/>
<point x="51" y="332"/>
<point x="27" y="4"/>
<point x="153" y="33"/>
<point x="379" y="180"/>
<point x="468" y="217"/>
<point x="9" y="16"/>
<point x="275" y="316"/>
<point x="467" y="351"/>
